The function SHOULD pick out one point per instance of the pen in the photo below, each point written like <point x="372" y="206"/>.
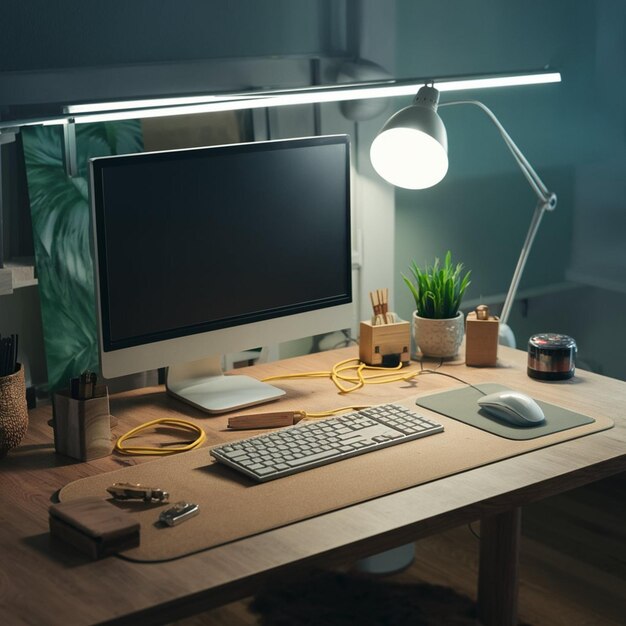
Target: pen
<point x="8" y="355"/>
<point x="84" y="387"/>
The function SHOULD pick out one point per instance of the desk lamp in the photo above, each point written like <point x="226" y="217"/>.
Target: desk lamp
<point x="411" y="151"/>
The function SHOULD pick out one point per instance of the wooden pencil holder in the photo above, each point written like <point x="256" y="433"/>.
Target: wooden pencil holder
<point x="82" y="428"/>
<point x="385" y="344"/>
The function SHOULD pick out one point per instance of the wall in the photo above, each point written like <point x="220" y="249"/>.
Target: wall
<point x="594" y="317"/>
<point x="482" y="208"/>
<point x="88" y="51"/>
<point x="91" y="33"/>
<point x="599" y="253"/>
<point x="572" y="133"/>
<point x="83" y="51"/>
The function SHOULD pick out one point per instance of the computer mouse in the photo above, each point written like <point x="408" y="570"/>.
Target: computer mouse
<point x="513" y="407"/>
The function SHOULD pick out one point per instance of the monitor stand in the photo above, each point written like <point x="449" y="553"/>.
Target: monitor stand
<point x="203" y="385"/>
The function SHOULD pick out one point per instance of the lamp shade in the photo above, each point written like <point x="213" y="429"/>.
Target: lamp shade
<point x="411" y="150"/>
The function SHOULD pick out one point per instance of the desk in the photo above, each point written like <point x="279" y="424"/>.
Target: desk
<point x="44" y="584"/>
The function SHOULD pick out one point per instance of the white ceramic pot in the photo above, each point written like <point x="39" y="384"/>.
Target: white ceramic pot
<point x="438" y="338"/>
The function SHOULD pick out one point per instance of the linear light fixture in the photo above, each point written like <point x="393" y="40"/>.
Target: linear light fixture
<point x="161" y="107"/>
<point x="97" y="107"/>
<point x="188" y="105"/>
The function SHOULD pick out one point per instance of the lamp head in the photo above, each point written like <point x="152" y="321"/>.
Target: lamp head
<point x="411" y="150"/>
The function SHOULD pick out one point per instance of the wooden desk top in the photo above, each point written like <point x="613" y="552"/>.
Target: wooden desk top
<point x="41" y="582"/>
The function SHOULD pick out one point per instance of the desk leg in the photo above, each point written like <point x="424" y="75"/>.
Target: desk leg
<point x="499" y="565"/>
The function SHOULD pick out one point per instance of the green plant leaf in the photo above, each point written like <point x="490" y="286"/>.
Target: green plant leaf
<point x="61" y="232"/>
<point x="438" y="289"/>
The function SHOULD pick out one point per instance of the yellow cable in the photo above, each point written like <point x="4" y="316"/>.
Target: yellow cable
<point x="337" y="375"/>
<point x="348" y="382"/>
<point x="148" y="450"/>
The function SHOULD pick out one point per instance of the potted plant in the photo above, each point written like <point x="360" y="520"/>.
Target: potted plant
<point x="437" y="322"/>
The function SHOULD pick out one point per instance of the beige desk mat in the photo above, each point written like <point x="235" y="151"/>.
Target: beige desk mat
<point x="233" y="507"/>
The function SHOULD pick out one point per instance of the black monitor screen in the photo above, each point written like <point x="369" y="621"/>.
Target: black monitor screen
<point x="201" y="239"/>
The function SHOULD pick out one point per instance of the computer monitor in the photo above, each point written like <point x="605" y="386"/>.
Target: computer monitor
<point x="207" y="251"/>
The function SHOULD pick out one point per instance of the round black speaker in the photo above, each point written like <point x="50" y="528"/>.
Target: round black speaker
<point x="551" y="356"/>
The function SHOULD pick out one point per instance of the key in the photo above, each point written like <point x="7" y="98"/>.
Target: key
<point x="312" y="458"/>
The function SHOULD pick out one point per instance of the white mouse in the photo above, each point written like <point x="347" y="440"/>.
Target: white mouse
<point x="513" y="407"/>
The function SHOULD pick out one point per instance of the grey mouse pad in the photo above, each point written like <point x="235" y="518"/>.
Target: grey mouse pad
<point x="461" y="405"/>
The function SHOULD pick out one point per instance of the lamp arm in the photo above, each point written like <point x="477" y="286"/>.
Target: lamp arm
<point x="540" y="209"/>
<point x="547" y="202"/>
<point x="536" y="183"/>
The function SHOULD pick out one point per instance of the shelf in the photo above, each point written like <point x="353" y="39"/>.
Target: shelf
<point x="610" y="277"/>
<point x="523" y="294"/>
<point x="17" y="274"/>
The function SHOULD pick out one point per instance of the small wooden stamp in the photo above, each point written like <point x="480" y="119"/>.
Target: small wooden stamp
<point x="481" y="338"/>
<point x="385" y="344"/>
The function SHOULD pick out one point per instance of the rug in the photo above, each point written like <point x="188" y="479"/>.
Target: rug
<point x="338" y="599"/>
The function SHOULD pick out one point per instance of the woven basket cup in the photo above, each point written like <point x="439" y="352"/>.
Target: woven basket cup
<point x="13" y="410"/>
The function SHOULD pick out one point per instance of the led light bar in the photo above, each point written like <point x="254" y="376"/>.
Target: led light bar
<point x="161" y="107"/>
<point x="96" y="107"/>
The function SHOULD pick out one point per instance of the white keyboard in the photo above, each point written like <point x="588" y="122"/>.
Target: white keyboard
<point x="311" y="444"/>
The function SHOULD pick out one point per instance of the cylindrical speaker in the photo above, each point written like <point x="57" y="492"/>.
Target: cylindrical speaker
<point x="551" y="356"/>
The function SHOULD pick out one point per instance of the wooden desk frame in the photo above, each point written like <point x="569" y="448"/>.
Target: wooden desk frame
<point x="43" y="582"/>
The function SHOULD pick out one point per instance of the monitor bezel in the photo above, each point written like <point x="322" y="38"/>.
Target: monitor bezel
<point x="222" y="336"/>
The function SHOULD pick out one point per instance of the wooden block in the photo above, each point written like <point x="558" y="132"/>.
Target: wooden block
<point x="384" y="340"/>
<point x="94" y="526"/>
<point x="6" y="281"/>
<point x="481" y="340"/>
<point x="82" y="428"/>
<point x="23" y="271"/>
<point x="265" y="420"/>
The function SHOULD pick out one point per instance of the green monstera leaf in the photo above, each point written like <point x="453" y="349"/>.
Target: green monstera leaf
<point x="62" y="234"/>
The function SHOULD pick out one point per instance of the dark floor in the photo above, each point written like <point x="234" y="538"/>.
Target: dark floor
<point x="573" y="571"/>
